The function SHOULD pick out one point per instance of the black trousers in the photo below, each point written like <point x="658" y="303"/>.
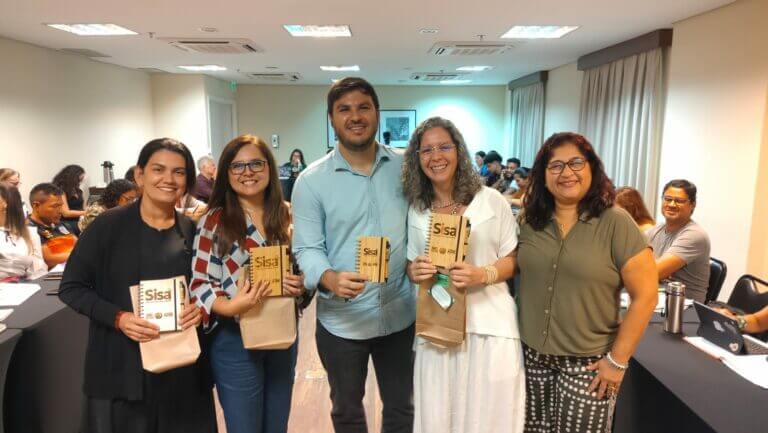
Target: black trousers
<point x="346" y="362"/>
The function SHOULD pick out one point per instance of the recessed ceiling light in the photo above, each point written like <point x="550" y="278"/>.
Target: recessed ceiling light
<point x="203" y="68"/>
<point x="316" y="31"/>
<point x="429" y="31"/>
<point x="538" y="32"/>
<point x="340" y="68"/>
<point x="208" y="29"/>
<point x="474" y="68"/>
<point x="93" y="29"/>
<point x="455" y="81"/>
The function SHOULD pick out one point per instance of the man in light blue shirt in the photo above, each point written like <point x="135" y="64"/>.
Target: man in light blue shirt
<point x="355" y="191"/>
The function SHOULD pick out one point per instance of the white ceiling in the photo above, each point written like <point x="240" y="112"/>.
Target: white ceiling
<point x="386" y="42"/>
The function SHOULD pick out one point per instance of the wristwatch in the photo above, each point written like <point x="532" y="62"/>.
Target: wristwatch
<point x="741" y="322"/>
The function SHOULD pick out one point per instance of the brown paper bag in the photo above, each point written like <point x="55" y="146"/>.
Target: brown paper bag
<point x="271" y="324"/>
<point x="170" y="350"/>
<point x="439" y="327"/>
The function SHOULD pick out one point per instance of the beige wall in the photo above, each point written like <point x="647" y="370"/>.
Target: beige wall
<point x="58" y="109"/>
<point x="562" y="99"/>
<point x="179" y="108"/>
<point x="714" y="129"/>
<point x="297" y="113"/>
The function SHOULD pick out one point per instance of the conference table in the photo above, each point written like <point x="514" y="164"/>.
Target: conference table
<point x="671" y="386"/>
<point x="42" y="389"/>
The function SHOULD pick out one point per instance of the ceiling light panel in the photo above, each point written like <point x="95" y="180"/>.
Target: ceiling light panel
<point x="339" y="68"/>
<point x="474" y="68"/>
<point x="203" y="68"/>
<point x="455" y="81"/>
<point x="318" y="31"/>
<point x="93" y="29"/>
<point x="538" y="32"/>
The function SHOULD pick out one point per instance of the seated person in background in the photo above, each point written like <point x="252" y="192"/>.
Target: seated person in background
<point x="119" y="192"/>
<point x="507" y="185"/>
<point x="493" y="163"/>
<point x="515" y="199"/>
<point x="680" y="246"/>
<point x="130" y="175"/>
<point x="191" y="207"/>
<point x="631" y="201"/>
<point x="47" y="201"/>
<point x="754" y="323"/>
<point x="204" y="183"/>
<point x="11" y="177"/>
<point x="21" y="255"/>
<point x="481" y="168"/>
<point x="70" y="179"/>
<point x="294" y="166"/>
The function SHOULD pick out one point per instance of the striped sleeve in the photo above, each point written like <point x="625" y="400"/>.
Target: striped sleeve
<point x="207" y="271"/>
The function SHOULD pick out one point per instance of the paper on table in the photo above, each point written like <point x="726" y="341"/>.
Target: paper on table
<point x="4" y="313"/>
<point x="58" y="269"/>
<point x="13" y="294"/>
<point x="753" y="368"/>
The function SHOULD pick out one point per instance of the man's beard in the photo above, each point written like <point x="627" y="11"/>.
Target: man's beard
<point x="357" y="145"/>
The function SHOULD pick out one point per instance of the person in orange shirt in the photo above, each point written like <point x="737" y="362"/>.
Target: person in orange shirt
<point x="47" y="202"/>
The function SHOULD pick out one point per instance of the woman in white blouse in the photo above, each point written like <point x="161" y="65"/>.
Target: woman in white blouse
<point x="20" y="251"/>
<point x="479" y="386"/>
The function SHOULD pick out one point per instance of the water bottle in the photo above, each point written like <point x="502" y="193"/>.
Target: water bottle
<point x="673" y="308"/>
<point x="108" y="174"/>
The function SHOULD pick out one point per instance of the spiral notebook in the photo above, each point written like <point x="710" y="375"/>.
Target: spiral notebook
<point x="270" y="264"/>
<point x="372" y="258"/>
<point x="448" y="239"/>
<point x="162" y="301"/>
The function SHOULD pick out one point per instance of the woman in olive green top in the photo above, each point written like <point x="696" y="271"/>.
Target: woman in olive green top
<point x="576" y="252"/>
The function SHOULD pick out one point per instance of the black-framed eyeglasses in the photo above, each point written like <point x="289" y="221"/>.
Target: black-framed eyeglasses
<point x="441" y="148"/>
<point x="255" y="165"/>
<point x="576" y="164"/>
<point x="676" y="200"/>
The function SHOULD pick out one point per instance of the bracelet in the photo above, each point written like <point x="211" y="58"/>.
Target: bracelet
<point x="491" y="274"/>
<point x="614" y="364"/>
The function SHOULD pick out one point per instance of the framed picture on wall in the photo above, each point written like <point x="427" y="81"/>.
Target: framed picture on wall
<point x="396" y="127"/>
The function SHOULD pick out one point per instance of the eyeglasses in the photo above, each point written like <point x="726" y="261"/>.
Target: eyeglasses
<point x="429" y="151"/>
<point x="576" y="164"/>
<point x="675" y="200"/>
<point x="255" y="165"/>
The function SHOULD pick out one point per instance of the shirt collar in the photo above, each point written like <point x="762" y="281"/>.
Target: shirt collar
<point x="583" y="217"/>
<point x="339" y="163"/>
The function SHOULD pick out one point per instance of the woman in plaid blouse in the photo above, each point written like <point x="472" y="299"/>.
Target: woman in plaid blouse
<point x="246" y="210"/>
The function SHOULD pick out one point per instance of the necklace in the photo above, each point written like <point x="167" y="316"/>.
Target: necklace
<point x="454" y="211"/>
<point x="443" y="206"/>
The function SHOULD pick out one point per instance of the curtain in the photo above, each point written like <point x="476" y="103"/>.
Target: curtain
<point x="622" y="114"/>
<point x="527" y="122"/>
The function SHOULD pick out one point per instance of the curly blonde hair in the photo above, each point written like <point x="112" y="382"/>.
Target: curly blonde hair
<point x="417" y="187"/>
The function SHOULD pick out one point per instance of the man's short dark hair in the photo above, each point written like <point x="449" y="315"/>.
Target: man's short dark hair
<point x="350" y="84"/>
<point x="480" y="153"/>
<point x="42" y="191"/>
<point x="688" y="187"/>
<point x="514" y="161"/>
<point x="492" y="156"/>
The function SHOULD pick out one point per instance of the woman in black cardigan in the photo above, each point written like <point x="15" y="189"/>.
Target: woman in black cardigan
<point x="144" y="241"/>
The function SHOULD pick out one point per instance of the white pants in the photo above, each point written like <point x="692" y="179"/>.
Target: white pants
<point x="478" y="387"/>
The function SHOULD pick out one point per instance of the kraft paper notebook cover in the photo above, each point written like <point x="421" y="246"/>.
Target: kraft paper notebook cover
<point x="270" y="324"/>
<point x="270" y="264"/>
<point x="372" y="258"/>
<point x="448" y="239"/>
<point x="162" y="301"/>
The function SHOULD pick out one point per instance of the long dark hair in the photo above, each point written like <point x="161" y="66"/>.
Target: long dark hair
<point x="539" y="204"/>
<point x="630" y="200"/>
<point x="231" y="227"/>
<point x="170" y="145"/>
<point x="301" y="157"/>
<point x="14" y="214"/>
<point x="68" y="179"/>
<point x="115" y="190"/>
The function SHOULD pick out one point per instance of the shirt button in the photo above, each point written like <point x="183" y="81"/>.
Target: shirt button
<point x="546" y="311"/>
<point x="545" y="332"/>
<point x="554" y="266"/>
<point x="549" y="288"/>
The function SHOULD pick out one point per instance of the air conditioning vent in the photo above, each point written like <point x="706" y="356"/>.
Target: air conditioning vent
<point x="469" y="48"/>
<point x="274" y="76"/>
<point x="213" y="46"/>
<point x="437" y="76"/>
<point x="85" y="52"/>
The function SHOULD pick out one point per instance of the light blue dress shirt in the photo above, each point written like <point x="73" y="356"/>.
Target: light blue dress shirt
<point x="333" y="206"/>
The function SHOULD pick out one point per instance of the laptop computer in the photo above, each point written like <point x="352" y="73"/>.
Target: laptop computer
<point x="723" y="331"/>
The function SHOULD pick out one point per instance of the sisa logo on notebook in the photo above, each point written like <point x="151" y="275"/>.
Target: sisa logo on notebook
<point x="261" y="262"/>
<point x="157" y="295"/>
<point x="440" y="229"/>
<point x="370" y="252"/>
